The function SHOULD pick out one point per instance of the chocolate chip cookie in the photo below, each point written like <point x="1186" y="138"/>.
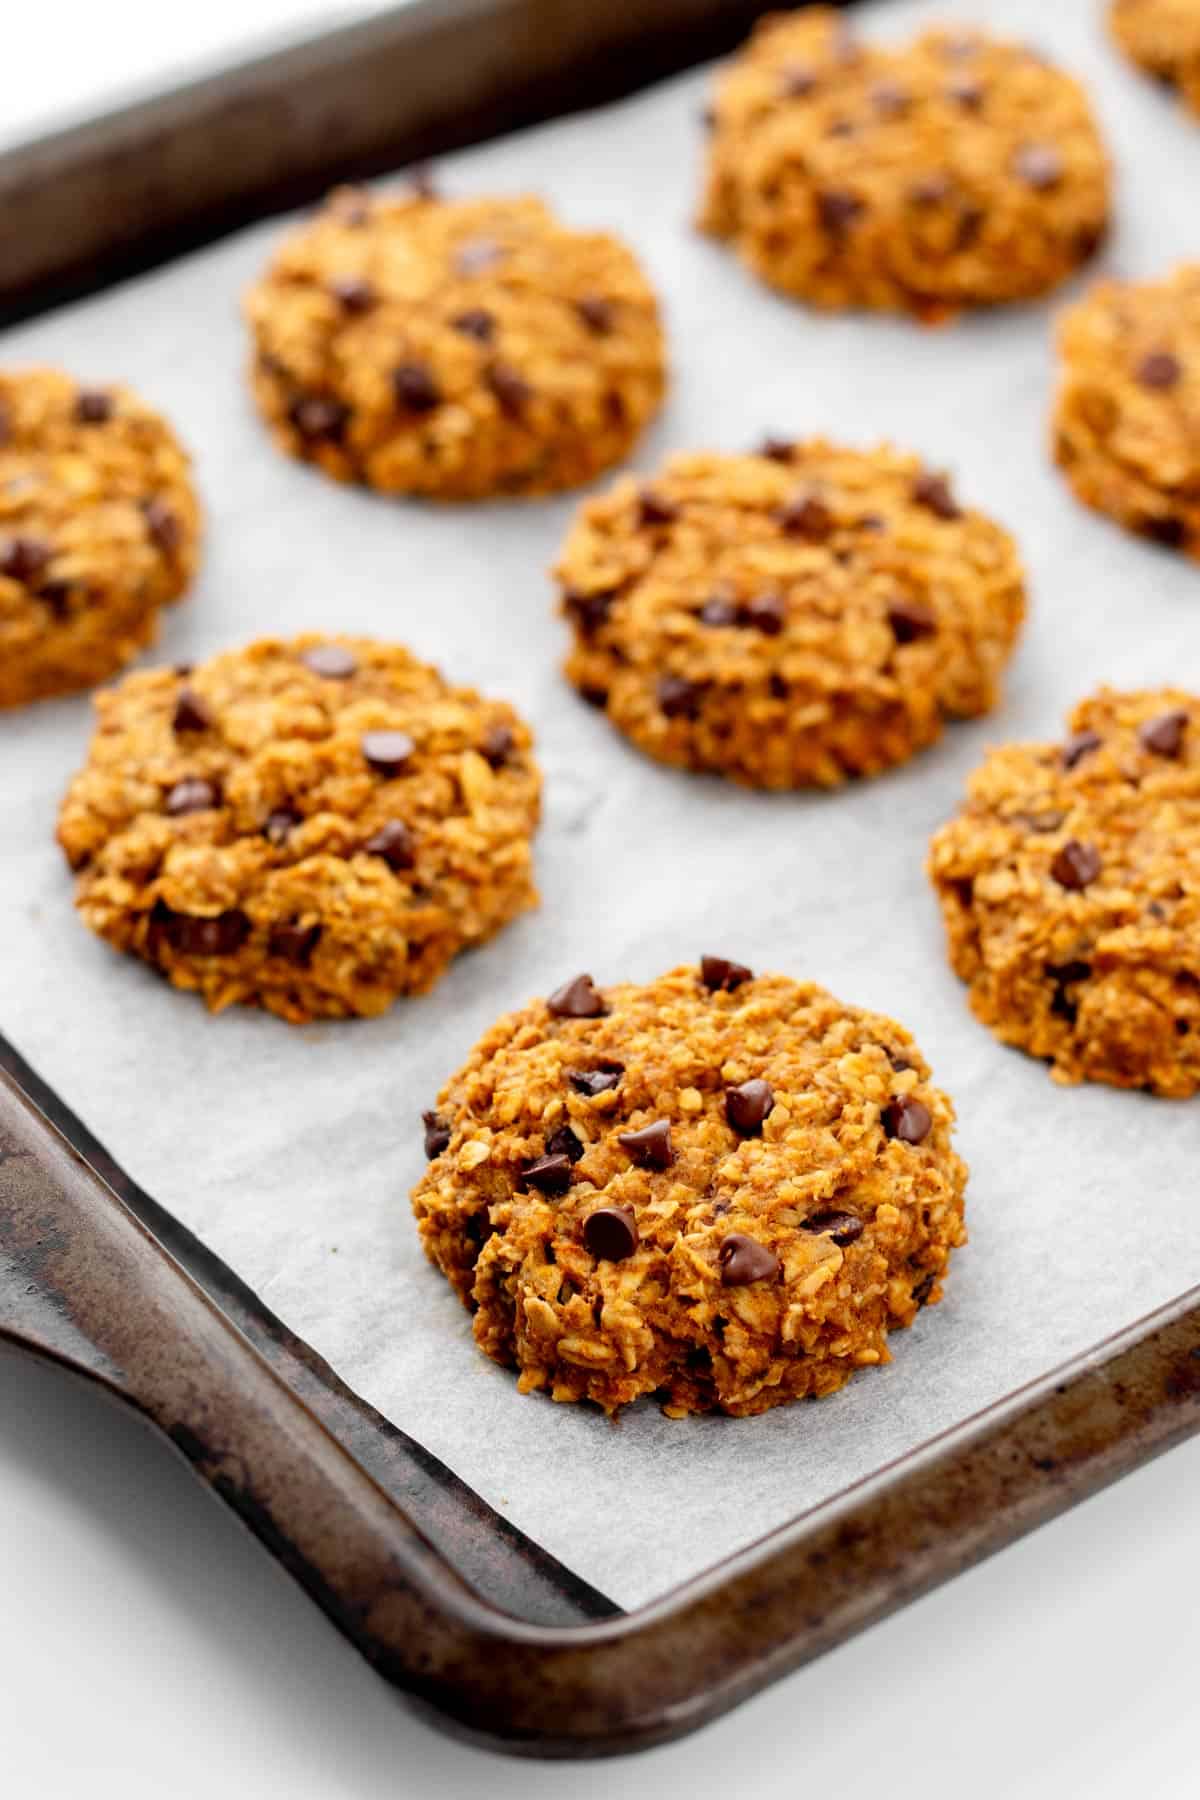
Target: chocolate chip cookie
<point x="719" y="1188"/>
<point x="314" y="827"/>
<point x="99" y="528"/>
<point x="956" y="172"/>
<point x="1070" y="887"/>
<point x="1162" y="37"/>
<point x="1127" y="414"/>
<point x="454" y="349"/>
<point x="790" y="617"/>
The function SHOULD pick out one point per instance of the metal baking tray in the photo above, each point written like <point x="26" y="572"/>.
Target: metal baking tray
<point x="462" y="1613"/>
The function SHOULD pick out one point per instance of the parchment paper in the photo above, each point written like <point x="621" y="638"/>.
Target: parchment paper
<point x="292" y="1151"/>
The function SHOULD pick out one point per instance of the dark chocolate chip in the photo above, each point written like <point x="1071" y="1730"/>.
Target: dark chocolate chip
<point x="907" y="1119"/>
<point x="548" y="1174"/>
<point x="386" y="752"/>
<point x="294" y="942"/>
<point x="655" y="509"/>
<point x="57" y="596"/>
<point x="437" y="1134"/>
<point x="93" y="406"/>
<point x="577" y="999"/>
<point x="1039" y="166"/>
<point x="318" y="418"/>
<point x="777" y="687"/>
<point x="192" y="794"/>
<point x="1081" y="744"/>
<point x="394" y="842"/>
<point x="766" y="613"/>
<point x="965" y="93"/>
<point x="933" y="492"/>
<point x="1166" y="529"/>
<point x="1068" y="972"/>
<point x="590" y="611"/>
<point x="838" y="211"/>
<point x="797" y="82"/>
<point x="1164" y="736"/>
<point x="191" y="712"/>
<point x="331" y="661"/>
<point x="1159" y="369"/>
<point x="477" y="322"/>
<point x="595" y="1081"/>
<point x="594" y="696"/>
<point x="610" y="1234"/>
<point x="651" y="1147"/>
<point x="970" y="224"/>
<point x="718" y="611"/>
<point x="191" y="936"/>
<point x="353" y="294"/>
<point x="513" y="393"/>
<point x="1076" y="865"/>
<point x="24" y="558"/>
<point x="415" y="388"/>
<point x="163" y="524"/>
<point x="911" y="619"/>
<point x="924" y="1288"/>
<point x="563" y="1142"/>
<point x="806" y="515"/>
<point x="497" y="746"/>
<point x="280" y="824"/>
<point x="476" y="255"/>
<point x="843" y="1227"/>
<point x="721" y="975"/>
<point x="743" y="1259"/>
<point x="777" y="449"/>
<point x="596" y="313"/>
<point x="678" y="698"/>
<point x="747" y="1105"/>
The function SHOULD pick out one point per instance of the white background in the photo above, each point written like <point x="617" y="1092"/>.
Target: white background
<point x="150" y="1649"/>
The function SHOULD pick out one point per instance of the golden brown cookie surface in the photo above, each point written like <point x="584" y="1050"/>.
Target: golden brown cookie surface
<point x="314" y="827"/>
<point x="1070" y="888"/>
<point x="721" y="1188"/>
<point x="1162" y="37"/>
<point x="788" y="618"/>
<point x="99" y="528"/>
<point x="956" y="172"/>
<point x="454" y="349"/>
<point x="1127" y="413"/>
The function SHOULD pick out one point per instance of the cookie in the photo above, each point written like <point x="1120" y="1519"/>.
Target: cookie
<point x="1163" y="38"/>
<point x="788" y="618"/>
<point x="99" y="528"/>
<point x="454" y="349"/>
<point x="1127" y="413"/>
<point x="719" y="1188"/>
<point x="314" y="827"/>
<point x="957" y="172"/>
<point x="1070" y="888"/>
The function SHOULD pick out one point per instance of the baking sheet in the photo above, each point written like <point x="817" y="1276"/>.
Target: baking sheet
<point x="291" y="1151"/>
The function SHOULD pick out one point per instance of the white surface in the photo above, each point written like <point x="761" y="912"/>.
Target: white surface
<point x="1040" y="1674"/>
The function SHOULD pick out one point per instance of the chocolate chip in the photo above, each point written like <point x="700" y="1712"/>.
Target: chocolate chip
<point x="1076" y="865"/>
<point x="318" y="418"/>
<point x="1159" y="369"/>
<point x="911" y="619"/>
<point x="280" y="824"/>
<point x="513" y="393"/>
<point x="655" y="509"/>
<point x="191" y="936"/>
<point x="678" y="698"/>
<point x="353" y="294"/>
<point x="386" y="752"/>
<point x="57" y="596"/>
<point x="933" y="492"/>
<point x="476" y="255"/>
<point x="806" y="515"/>
<point x="777" y="687"/>
<point x="596" y="313"/>
<point x="842" y="1227"/>
<point x="577" y="999"/>
<point x="477" y="322"/>
<point x="907" y="1119"/>
<point x="564" y="1142"/>
<point x="924" y="1288"/>
<point x="330" y="660"/>
<point x="766" y="613"/>
<point x="24" y="558"/>
<point x="437" y="1134"/>
<point x="191" y="712"/>
<point x="294" y="942"/>
<point x="192" y="794"/>
<point x="1068" y="972"/>
<point x="721" y="975"/>
<point x="1164" y="736"/>
<point x="1077" y="747"/>
<point x="610" y="1234"/>
<point x="1166" y="529"/>
<point x="163" y="524"/>
<point x="394" y="843"/>
<point x="595" y="1081"/>
<point x="838" y="211"/>
<point x="718" y="611"/>
<point x="497" y="746"/>
<point x="594" y="696"/>
<point x="415" y="388"/>
<point x="1039" y="166"/>
<point x="549" y="1175"/>
<point x="889" y="100"/>
<point x="777" y="449"/>
<point x="93" y="406"/>
<point x="970" y="224"/>
<point x="651" y="1147"/>
<point x="797" y="82"/>
<point x="743" y="1259"/>
<point x="748" y="1105"/>
<point x="931" y="190"/>
<point x="965" y="93"/>
<point x="590" y="611"/>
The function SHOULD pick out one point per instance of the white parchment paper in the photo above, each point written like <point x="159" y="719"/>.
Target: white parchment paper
<point x="291" y="1151"/>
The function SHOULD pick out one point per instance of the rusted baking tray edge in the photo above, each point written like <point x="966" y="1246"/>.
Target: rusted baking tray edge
<point x="87" y="1285"/>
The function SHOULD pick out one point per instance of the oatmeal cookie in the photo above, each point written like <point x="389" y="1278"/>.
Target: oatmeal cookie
<point x="1162" y="37"/>
<point x="957" y="172"/>
<point x="1070" y="887"/>
<point x="791" y="617"/>
<point x="314" y="827"/>
<point x="1127" y="414"/>
<point x="99" y="528"/>
<point x="454" y="348"/>
<point x="721" y="1188"/>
